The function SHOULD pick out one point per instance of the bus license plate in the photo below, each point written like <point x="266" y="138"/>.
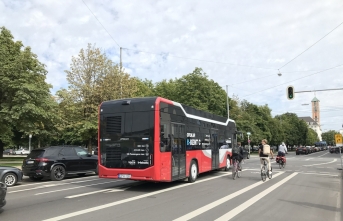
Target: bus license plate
<point x="124" y="176"/>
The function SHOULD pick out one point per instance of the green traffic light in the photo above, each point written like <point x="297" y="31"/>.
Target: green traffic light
<point x="290" y="92"/>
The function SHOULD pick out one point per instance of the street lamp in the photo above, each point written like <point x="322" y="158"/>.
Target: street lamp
<point x="30" y="136"/>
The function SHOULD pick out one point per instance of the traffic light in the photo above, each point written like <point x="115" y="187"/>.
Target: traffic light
<point x="290" y="93"/>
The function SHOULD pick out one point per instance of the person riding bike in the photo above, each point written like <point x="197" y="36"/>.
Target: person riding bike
<point x="282" y="150"/>
<point x="237" y="153"/>
<point x="265" y="156"/>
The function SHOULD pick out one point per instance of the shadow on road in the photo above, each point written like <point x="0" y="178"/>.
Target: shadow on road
<point x="307" y="204"/>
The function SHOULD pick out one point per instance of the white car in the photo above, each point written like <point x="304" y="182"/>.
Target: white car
<point x="22" y="152"/>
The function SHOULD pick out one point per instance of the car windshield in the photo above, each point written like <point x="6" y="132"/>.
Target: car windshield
<point x="36" y="154"/>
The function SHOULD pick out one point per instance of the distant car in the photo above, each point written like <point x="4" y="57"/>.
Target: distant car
<point x="96" y="151"/>
<point x="301" y="150"/>
<point x="58" y="161"/>
<point x="25" y="152"/>
<point x="10" y="175"/>
<point x="8" y="152"/>
<point x="3" y="191"/>
<point x="21" y="152"/>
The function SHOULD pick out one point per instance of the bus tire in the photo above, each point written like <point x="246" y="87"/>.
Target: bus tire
<point x="228" y="163"/>
<point x="193" y="172"/>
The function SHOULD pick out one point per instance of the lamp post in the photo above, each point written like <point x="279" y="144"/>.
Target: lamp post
<point x="248" y="133"/>
<point x="30" y="136"/>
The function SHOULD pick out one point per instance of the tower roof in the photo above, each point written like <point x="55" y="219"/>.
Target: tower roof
<point x="315" y="100"/>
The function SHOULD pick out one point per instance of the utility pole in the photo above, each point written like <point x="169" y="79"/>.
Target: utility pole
<point x="120" y="73"/>
<point x="227" y="101"/>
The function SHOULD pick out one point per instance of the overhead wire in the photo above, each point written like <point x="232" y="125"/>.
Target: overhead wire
<point x="294" y="80"/>
<point x="311" y="45"/>
<point x="101" y="24"/>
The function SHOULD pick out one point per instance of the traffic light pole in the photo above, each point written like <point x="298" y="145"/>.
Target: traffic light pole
<point x="334" y="89"/>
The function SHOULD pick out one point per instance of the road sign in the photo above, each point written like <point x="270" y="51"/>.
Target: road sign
<point x="248" y="133"/>
<point x="338" y="139"/>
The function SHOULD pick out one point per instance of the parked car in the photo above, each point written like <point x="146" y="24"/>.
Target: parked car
<point x="301" y="150"/>
<point x="3" y="191"/>
<point x="21" y="152"/>
<point x="8" y="152"/>
<point x="10" y="175"/>
<point x="25" y="152"/>
<point x="58" y="161"/>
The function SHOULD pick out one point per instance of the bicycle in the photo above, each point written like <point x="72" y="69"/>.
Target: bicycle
<point x="265" y="171"/>
<point x="281" y="162"/>
<point x="235" y="169"/>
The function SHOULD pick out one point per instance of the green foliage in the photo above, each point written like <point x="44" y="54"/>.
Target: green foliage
<point x="329" y="137"/>
<point x="25" y="101"/>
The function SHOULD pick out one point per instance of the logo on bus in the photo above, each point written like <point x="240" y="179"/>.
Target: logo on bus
<point x="191" y="142"/>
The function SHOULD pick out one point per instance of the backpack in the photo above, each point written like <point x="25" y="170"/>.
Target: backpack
<point x="266" y="149"/>
<point x="235" y="150"/>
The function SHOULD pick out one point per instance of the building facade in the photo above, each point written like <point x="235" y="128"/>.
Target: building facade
<point x="313" y="125"/>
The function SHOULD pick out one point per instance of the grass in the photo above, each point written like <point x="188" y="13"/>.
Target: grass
<point x="12" y="159"/>
<point x="11" y="164"/>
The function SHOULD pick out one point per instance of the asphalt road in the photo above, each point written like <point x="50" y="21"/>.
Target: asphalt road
<point x="308" y="188"/>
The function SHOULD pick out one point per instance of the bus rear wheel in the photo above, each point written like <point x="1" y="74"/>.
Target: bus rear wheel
<point x="228" y="162"/>
<point x="193" y="172"/>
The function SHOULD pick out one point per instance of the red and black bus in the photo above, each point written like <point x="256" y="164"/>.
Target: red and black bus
<point x="155" y="139"/>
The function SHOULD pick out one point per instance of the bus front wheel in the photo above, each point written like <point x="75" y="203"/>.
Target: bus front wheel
<point x="193" y="172"/>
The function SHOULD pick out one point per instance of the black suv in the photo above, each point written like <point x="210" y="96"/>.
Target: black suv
<point x="3" y="190"/>
<point x="58" y="161"/>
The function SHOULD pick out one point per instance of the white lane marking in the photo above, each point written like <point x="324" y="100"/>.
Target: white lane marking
<point x="50" y="185"/>
<point x="203" y="209"/>
<point x="309" y="159"/>
<point x="229" y="215"/>
<point x="64" y="181"/>
<point x="320" y="163"/>
<point x="81" y="212"/>
<point x="89" y="193"/>
<point x="77" y="187"/>
<point x="322" y="155"/>
<point x="320" y="174"/>
<point x="98" y="191"/>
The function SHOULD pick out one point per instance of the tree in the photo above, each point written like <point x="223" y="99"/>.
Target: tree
<point x="93" y="78"/>
<point x="25" y="100"/>
<point x="329" y="137"/>
<point x="311" y="137"/>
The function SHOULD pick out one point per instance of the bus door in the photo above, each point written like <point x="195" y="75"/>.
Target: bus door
<point x="215" y="148"/>
<point x="178" y="147"/>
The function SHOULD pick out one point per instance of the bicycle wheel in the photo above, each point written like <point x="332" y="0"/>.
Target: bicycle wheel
<point x="280" y="164"/>
<point x="234" y="170"/>
<point x="283" y="164"/>
<point x="263" y="173"/>
<point x="270" y="175"/>
<point x="239" y="170"/>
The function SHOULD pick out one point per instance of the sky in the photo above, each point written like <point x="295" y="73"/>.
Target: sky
<point x="244" y="45"/>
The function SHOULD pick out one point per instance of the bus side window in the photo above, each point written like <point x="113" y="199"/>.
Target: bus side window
<point x="165" y="141"/>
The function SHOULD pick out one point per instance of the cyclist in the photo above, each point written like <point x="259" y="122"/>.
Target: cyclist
<point x="237" y="153"/>
<point x="282" y="150"/>
<point x="265" y="157"/>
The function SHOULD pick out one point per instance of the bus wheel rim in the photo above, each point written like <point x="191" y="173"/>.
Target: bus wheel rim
<point x="194" y="171"/>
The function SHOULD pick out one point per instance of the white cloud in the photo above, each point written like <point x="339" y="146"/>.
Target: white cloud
<point x="257" y="34"/>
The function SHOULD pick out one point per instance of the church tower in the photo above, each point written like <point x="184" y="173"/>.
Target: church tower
<point x="315" y="110"/>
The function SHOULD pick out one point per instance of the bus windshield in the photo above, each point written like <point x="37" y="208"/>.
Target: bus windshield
<point x="126" y="140"/>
